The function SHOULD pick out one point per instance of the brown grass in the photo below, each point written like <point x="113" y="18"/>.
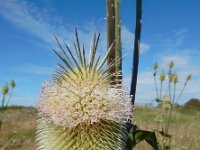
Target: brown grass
<point x="18" y="129"/>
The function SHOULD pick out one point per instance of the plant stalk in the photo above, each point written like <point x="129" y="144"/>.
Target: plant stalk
<point x="118" y="51"/>
<point x="110" y="17"/>
<point x="136" y="49"/>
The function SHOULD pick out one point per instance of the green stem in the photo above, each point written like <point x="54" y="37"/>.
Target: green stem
<point x="156" y="86"/>
<point x="169" y="121"/>
<point x="170" y="95"/>
<point x="171" y="110"/>
<point x="169" y="84"/>
<point x="9" y="99"/>
<point x="174" y="94"/>
<point x="167" y="89"/>
<point x="181" y="92"/>
<point x="161" y="89"/>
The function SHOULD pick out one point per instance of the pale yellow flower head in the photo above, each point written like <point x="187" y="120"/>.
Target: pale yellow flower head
<point x="69" y="105"/>
<point x="81" y="108"/>
<point x="82" y="94"/>
<point x="175" y="78"/>
<point x="162" y="76"/>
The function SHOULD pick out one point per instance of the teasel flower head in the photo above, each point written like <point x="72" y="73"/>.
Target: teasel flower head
<point x="175" y="78"/>
<point x="162" y="76"/>
<point x="171" y="65"/>
<point x="12" y="84"/>
<point x="188" y="77"/>
<point x="80" y="109"/>
<point x="155" y="66"/>
<point x="5" y="89"/>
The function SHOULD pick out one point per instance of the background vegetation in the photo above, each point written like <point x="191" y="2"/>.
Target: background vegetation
<point x="18" y="129"/>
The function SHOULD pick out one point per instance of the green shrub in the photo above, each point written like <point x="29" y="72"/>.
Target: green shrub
<point x="193" y="103"/>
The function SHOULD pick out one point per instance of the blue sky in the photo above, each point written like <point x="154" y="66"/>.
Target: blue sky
<point x="170" y="31"/>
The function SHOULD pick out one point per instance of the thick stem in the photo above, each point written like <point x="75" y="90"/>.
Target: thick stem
<point x="110" y="16"/>
<point x="136" y="49"/>
<point x="156" y="86"/>
<point x="171" y="110"/>
<point x="118" y="52"/>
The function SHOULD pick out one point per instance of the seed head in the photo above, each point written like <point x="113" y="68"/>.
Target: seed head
<point x="175" y="78"/>
<point x="12" y="84"/>
<point x="155" y="66"/>
<point x="162" y="76"/>
<point x="5" y="89"/>
<point x="171" y="65"/>
<point x="188" y="77"/>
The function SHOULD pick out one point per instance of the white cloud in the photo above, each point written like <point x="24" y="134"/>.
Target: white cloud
<point x="180" y="36"/>
<point x="27" y="17"/>
<point x="40" y="22"/>
<point x="186" y="66"/>
<point x="183" y="67"/>
<point x="144" y="47"/>
<point x="43" y="24"/>
<point x="127" y="38"/>
<point x="175" y="40"/>
<point x="180" y="60"/>
<point x="128" y="41"/>
<point x="33" y="69"/>
<point x="145" y="92"/>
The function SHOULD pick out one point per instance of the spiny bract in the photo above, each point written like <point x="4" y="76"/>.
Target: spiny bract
<point x="80" y="109"/>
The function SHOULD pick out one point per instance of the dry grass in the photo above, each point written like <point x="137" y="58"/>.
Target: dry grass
<point x="185" y="127"/>
<point x="18" y="129"/>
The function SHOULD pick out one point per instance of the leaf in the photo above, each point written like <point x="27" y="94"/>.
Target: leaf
<point x="158" y="100"/>
<point x="148" y="136"/>
<point x="167" y="136"/>
<point x="136" y="136"/>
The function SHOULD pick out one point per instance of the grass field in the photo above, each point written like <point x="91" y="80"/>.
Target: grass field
<point x="18" y="129"/>
<point x="185" y="127"/>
